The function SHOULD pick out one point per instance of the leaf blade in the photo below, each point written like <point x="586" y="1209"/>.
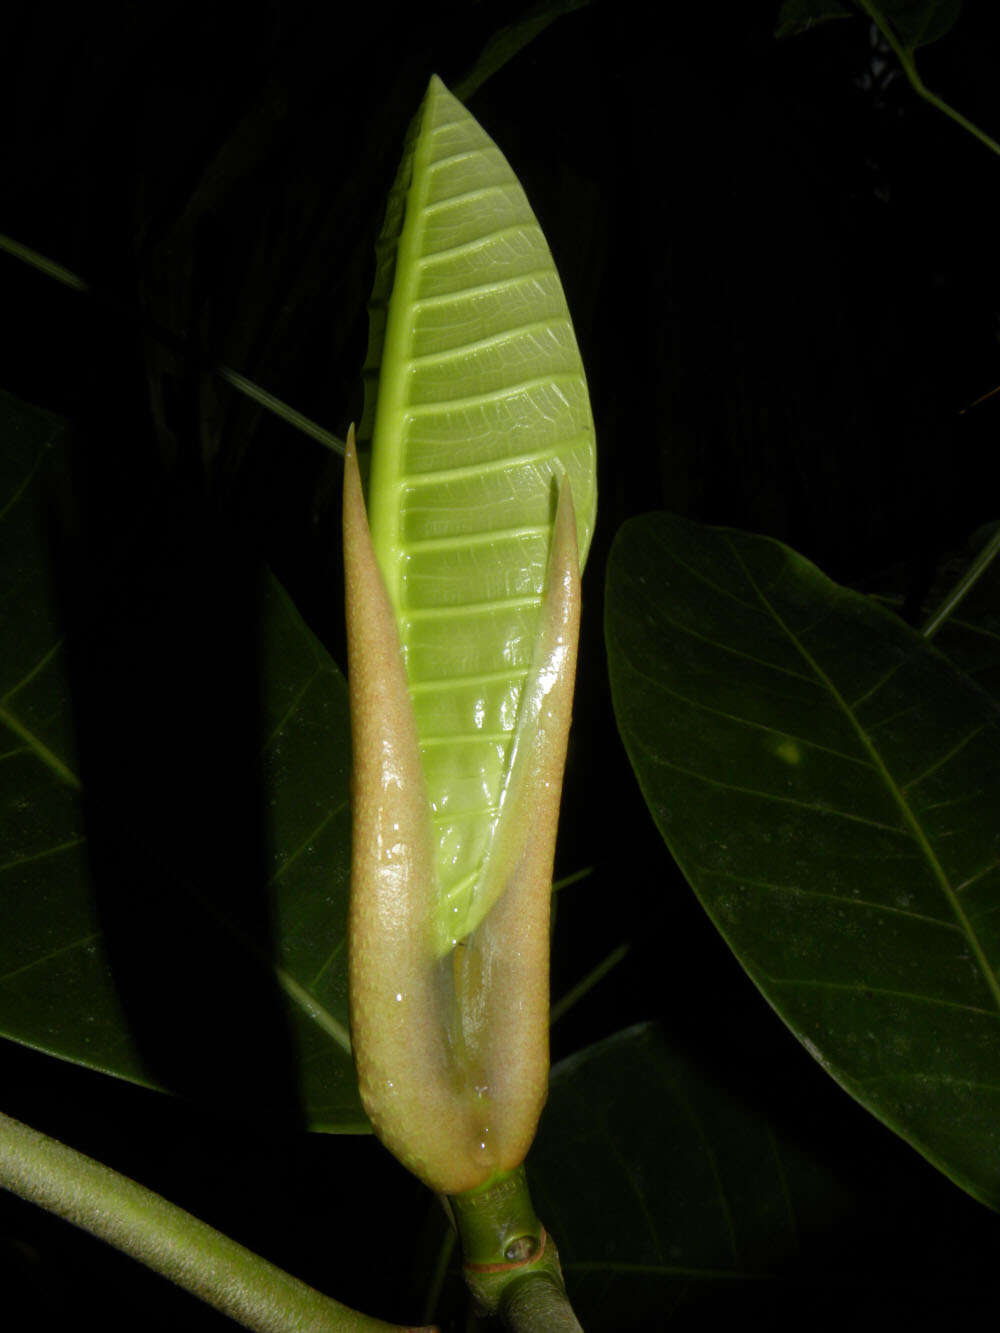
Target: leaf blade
<point x="482" y="406"/>
<point x="811" y="800"/>
<point x="58" y="990"/>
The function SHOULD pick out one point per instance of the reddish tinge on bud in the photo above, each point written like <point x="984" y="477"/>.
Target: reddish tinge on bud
<point x="451" y="1047"/>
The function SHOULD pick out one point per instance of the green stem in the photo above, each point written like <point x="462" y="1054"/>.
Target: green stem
<point x="905" y="56"/>
<point x="536" y="1303"/>
<point x="165" y="1238"/>
<point x="964" y="585"/>
<point x="231" y="377"/>
<point x="511" y="1264"/>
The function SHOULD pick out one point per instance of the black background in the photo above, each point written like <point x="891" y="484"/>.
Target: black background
<point x="782" y="271"/>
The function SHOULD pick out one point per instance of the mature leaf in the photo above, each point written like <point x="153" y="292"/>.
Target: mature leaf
<point x="917" y="22"/>
<point x="701" y="1196"/>
<point x="798" y="16"/>
<point x="672" y="1194"/>
<point x="971" y="638"/>
<point x="684" y="1183"/>
<point x="482" y="405"/>
<point x="59" y="988"/>
<point x="828" y="784"/>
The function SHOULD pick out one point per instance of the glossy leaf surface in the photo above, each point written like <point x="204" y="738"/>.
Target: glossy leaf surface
<point x="828" y="783"/>
<point x="481" y="407"/>
<point x="59" y="990"/>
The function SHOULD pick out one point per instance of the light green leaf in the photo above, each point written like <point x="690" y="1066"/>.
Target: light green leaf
<point x="482" y="406"/>
<point x="57" y="988"/>
<point x="828" y="784"/>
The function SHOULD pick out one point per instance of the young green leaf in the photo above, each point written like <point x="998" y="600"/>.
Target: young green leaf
<point x="463" y="605"/>
<point x="481" y="408"/>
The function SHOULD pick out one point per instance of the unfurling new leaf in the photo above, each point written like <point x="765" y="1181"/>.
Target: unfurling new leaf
<point x="463" y="611"/>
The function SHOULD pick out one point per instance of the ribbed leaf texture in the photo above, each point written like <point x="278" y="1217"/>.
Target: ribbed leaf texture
<point x="481" y="408"/>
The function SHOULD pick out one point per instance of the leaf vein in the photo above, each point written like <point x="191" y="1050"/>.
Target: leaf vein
<point x="54" y="953"/>
<point x="466" y="196"/>
<point x="736" y="652"/>
<point x="773" y="796"/>
<point x="303" y="845"/>
<point x="43" y="855"/>
<point x="283" y="720"/>
<point x="456" y="610"/>
<point x="864" y="988"/>
<point x="905" y="810"/>
<point x="828" y="897"/>
<point x="749" y="722"/>
<point x="29" y="676"/>
<point x="40" y="749"/>
<point x="945" y="758"/>
<point x="500" y="395"/>
<point x="471" y="471"/>
<point x="495" y="287"/>
<point x="498" y="339"/>
<point x="478" y="243"/>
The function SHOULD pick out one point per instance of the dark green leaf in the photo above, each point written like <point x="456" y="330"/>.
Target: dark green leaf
<point x="828" y="784"/>
<point x="916" y="22"/>
<point x="797" y="16"/>
<point x="673" y="1193"/>
<point x="509" y="41"/>
<point x="61" y="986"/>
<point x="919" y="22"/>
<point x="971" y="639"/>
<point x="971" y="635"/>
<point x="683" y="1182"/>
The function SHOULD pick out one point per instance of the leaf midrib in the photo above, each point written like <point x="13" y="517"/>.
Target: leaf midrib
<point x="895" y="791"/>
<point x="385" y="507"/>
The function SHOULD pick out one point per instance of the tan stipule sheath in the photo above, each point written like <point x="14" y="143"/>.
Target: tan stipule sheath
<point x="451" y="1052"/>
